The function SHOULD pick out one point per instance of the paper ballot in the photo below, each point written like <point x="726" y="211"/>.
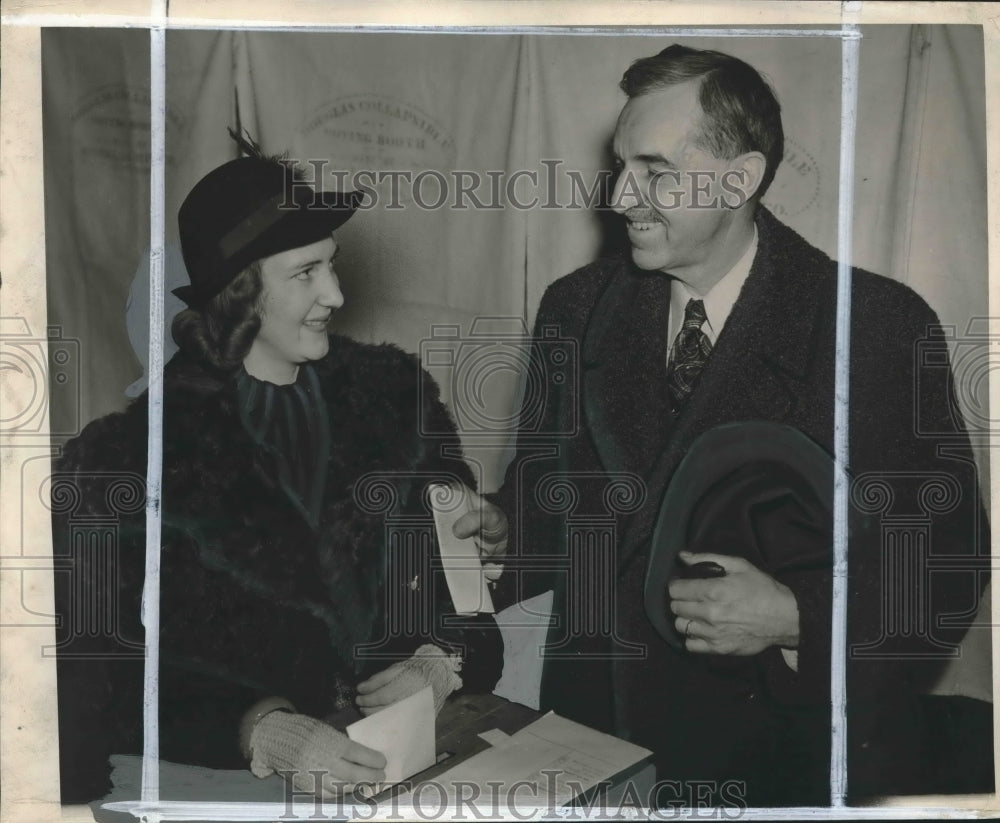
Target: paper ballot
<point x="403" y="732"/>
<point x="463" y="570"/>
<point x="560" y="759"/>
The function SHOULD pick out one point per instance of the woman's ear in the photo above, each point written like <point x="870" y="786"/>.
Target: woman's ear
<point x="742" y="179"/>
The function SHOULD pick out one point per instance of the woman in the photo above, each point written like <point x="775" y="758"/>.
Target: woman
<point x="292" y="582"/>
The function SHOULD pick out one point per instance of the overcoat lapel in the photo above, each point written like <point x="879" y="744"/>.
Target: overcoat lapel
<point x="626" y="409"/>
<point x="601" y="376"/>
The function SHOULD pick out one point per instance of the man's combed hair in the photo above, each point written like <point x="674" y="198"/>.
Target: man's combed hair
<point x="221" y="331"/>
<point x="741" y="112"/>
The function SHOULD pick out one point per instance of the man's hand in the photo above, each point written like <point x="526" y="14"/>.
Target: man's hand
<point x="743" y="613"/>
<point x="488" y="525"/>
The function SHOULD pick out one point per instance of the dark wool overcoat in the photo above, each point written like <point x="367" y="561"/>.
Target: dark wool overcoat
<point x="597" y="448"/>
<point x="254" y="599"/>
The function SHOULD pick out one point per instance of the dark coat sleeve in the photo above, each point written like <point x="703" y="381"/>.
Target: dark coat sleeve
<point x="909" y="454"/>
<point x="916" y="527"/>
<point x="99" y="638"/>
<point x="552" y="440"/>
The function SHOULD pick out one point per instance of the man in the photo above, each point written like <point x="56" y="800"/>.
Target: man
<point x="724" y="315"/>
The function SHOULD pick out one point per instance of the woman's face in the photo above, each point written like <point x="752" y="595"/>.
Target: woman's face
<point x="300" y="293"/>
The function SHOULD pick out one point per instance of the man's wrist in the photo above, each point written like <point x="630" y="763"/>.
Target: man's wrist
<point x="789" y="639"/>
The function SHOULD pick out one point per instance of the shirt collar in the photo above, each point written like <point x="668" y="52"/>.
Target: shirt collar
<point x="719" y="301"/>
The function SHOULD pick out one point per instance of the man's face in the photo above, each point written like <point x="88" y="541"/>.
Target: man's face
<point x="670" y="191"/>
<point x="300" y="293"/>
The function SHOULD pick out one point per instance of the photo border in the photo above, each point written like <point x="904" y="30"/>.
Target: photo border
<point x="28" y="728"/>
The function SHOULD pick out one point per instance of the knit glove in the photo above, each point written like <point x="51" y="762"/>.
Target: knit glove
<point x="308" y="749"/>
<point x="429" y="666"/>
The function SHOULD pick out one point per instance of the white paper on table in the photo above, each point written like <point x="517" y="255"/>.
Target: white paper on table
<point x="403" y="732"/>
<point x="495" y="737"/>
<point x="463" y="569"/>
<point x="563" y="758"/>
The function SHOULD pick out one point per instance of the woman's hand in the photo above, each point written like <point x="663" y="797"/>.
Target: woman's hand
<point x="488" y="524"/>
<point x="316" y="756"/>
<point x="429" y="666"/>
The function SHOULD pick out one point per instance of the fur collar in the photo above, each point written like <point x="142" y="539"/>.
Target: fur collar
<point x="219" y="495"/>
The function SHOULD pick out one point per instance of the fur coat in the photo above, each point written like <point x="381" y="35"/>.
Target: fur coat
<point x="254" y="600"/>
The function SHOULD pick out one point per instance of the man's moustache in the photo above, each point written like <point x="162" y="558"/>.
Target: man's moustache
<point x="641" y="216"/>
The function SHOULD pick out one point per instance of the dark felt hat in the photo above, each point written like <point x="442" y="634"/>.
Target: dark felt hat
<point x="248" y="209"/>
<point x="762" y="491"/>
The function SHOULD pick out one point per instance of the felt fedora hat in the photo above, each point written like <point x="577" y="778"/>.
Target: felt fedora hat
<point x="246" y="210"/>
<point x="758" y="490"/>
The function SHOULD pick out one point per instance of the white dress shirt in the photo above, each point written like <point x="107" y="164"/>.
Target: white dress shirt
<point x="719" y="301"/>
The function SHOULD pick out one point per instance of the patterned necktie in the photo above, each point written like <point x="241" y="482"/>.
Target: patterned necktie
<point x="687" y="357"/>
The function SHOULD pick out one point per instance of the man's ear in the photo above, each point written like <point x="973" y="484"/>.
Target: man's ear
<point x="742" y="179"/>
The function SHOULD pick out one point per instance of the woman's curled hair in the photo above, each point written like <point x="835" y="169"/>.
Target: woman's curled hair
<point x="221" y="331"/>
